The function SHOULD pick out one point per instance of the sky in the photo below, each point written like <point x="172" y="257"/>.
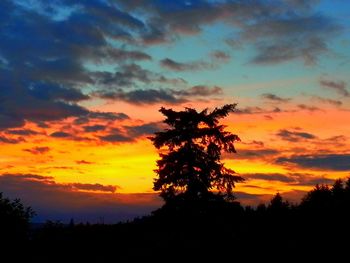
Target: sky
<point x="82" y="82"/>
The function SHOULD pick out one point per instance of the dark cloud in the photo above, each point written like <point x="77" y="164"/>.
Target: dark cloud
<point x="60" y="134"/>
<point x="94" y="128"/>
<point x="200" y="90"/>
<point x="334" y="162"/>
<point x="338" y="87"/>
<point x="38" y="150"/>
<point x="294" y="136"/>
<point x="114" y="54"/>
<point x="46" y="52"/>
<point x="23" y="132"/>
<point x="132" y="75"/>
<point x="300" y="179"/>
<point x="312" y="181"/>
<point x="249" y="110"/>
<point x="152" y="96"/>
<point x="28" y="103"/>
<point x="327" y="101"/>
<point x="180" y="66"/>
<point x="272" y="28"/>
<point x="147" y="96"/>
<point x="64" y="201"/>
<point x="126" y="76"/>
<point x="45" y="91"/>
<point x="275" y="98"/>
<point x="4" y="139"/>
<point x="49" y="58"/>
<point x="94" y="187"/>
<point x="108" y="115"/>
<point x="252" y="154"/>
<point x="337" y="139"/>
<point x="220" y="56"/>
<point x="254" y="143"/>
<point x="104" y="116"/>
<point x="116" y="137"/>
<point x="257" y="110"/>
<point x="144" y="129"/>
<point x="275" y="38"/>
<point x="308" y="108"/>
<point x="270" y="177"/>
<point x="84" y="162"/>
<point x="132" y="133"/>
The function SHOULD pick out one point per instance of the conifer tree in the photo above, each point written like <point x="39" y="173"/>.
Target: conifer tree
<point x="190" y="153"/>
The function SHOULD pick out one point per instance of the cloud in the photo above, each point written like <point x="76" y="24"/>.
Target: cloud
<point x="149" y="96"/>
<point x="300" y="179"/>
<point x="307" y="107"/>
<point x="275" y="38"/>
<point x="83" y="162"/>
<point x="249" y="110"/>
<point x="46" y="52"/>
<point x="116" y="136"/>
<point x="60" y="134"/>
<point x="132" y="133"/>
<point x="83" y="202"/>
<point x="170" y="96"/>
<point x="328" y="101"/>
<point x="251" y="154"/>
<point x="4" y="139"/>
<point x="190" y="66"/>
<point x="270" y="177"/>
<point x="101" y="116"/>
<point x="144" y="129"/>
<point x="131" y="75"/>
<point x="200" y="90"/>
<point x="220" y="56"/>
<point x="111" y="116"/>
<point x="126" y="76"/>
<point x="294" y="136"/>
<point x="274" y="98"/>
<point x="94" y="187"/>
<point x="332" y="162"/>
<point x="257" y="110"/>
<point x="22" y="132"/>
<point x="38" y="150"/>
<point x="52" y="61"/>
<point x="338" y="87"/>
<point x="94" y="128"/>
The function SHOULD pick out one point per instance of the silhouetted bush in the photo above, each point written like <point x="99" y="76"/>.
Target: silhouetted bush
<point x="14" y="219"/>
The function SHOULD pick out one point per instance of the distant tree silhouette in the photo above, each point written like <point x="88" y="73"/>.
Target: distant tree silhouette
<point x="189" y="165"/>
<point x="14" y="219"/>
<point x="278" y="205"/>
<point x="318" y="199"/>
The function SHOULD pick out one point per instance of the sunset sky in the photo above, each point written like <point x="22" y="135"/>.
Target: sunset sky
<point x="81" y="83"/>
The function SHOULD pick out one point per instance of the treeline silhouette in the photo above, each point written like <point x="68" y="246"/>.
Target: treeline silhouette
<point x="212" y="229"/>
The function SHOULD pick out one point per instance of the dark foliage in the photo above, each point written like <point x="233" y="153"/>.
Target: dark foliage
<point x="315" y="229"/>
<point x="189" y="167"/>
<point x="14" y="219"/>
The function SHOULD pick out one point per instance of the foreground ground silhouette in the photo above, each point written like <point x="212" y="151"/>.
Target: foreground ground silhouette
<point x="318" y="227"/>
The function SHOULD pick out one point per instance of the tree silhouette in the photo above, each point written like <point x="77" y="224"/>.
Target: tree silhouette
<point x="278" y="205"/>
<point x="14" y="219"/>
<point x="318" y="199"/>
<point x="190" y="152"/>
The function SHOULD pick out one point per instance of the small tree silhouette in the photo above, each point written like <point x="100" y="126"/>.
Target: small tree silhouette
<point x="189" y="165"/>
<point x="14" y="219"/>
<point x="278" y="205"/>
